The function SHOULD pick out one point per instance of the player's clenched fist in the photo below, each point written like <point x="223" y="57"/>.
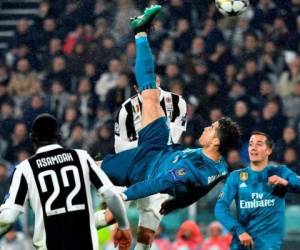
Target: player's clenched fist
<point x="123" y="239"/>
<point x="246" y="240"/>
<point x="276" y="180"/>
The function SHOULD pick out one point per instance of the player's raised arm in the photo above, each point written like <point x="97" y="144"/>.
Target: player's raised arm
<point x="287" y="178"/>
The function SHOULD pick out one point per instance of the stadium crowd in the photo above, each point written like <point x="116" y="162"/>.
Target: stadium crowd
<point x="77" y="61"/>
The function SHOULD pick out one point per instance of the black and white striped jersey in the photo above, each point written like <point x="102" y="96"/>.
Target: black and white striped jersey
<point x="128" y="120"/>
<point x="56" y="182"/>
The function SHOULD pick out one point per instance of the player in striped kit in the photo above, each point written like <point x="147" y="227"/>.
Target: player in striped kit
<point x="129" y="118"/>
<point x="56" y="182"/>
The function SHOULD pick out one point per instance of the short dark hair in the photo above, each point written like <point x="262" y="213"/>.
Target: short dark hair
<point x="229" y="134"/>
<point x="269" y="140"/>
<point x="44" y="130"/>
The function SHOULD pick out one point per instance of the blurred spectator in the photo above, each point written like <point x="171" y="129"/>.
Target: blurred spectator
<point x="48" y="31"/>
<point x="108" y="79"/>
<point x="234" y="160"/>
<point x="167" y="54"/>
<point x="158" y="34"/>
<point x="103" y="116"/>
<point x="251" y="77"/>
<point x="35" y="108"/>
<point x="23" y="35"/>
<point x="71" y="17"/>
<point x="119" y="94"/>
<point x="212" y="98"/>
<point x="103" y="51"/>
<point x="91" y="73"/>
<point x="271" y="120"/>
<point x="86" y="102"/>
<point x="279" y="34"/>
<point x="58" y="72"/>
<point x="70" y="119"/>
<point x="244" y="120"/>
<point x="54" y="49"/>
<point x="271" y="61"/>
<point x="264" y="15"/>
<point x="196" y="53"/>
<point x="58" y="99"/>
<point x="289" y="139"/>
<point x="77" y="58"/>
<point x="18" y="141"/>
<point x="251" y="49"/>
<point x="176" y="10"/>
<point x="44" y="12"/>
<point x="21" y="81"/>
<point x="199" y="78"/>
<point x="266" y="93"/>
<point x="211" y="34"/>
<point x="103" y="143"/>
<point x="128" y="58"/>
<point x="78" y="36"/>
<point x="216" y="241"/>
<point x="7" y="120"/>
<point x="230" y="77"/>
<point x="287" y="78"/>
<point x="78" y="138"/>
<point x="188" y="237"/>
<point x="291" y="103"/>
<point x="171" y="73"/>
<point x="183" y="35"/>
<point x="219" y="58"/>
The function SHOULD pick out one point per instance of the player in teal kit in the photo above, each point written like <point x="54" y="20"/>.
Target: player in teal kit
<point x="156" y="167"/>
<point x="258" y="192"/>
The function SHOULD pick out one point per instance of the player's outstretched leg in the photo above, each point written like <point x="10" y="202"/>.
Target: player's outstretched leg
<point x="146" y="79"/>
<point x="144" y="66"/>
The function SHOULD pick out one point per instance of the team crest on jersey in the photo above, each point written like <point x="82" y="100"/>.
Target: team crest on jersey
<point x="181" y="172"/>
<point x="243" y="176"/>
<point x="168" y="99"/>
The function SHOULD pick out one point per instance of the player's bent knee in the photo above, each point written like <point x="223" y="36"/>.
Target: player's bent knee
<point x="145" y="235"/>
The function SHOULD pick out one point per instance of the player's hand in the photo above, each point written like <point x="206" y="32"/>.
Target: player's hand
<point x="123" y="239"/>
<point x="246" y="240"/>
<point x="167" y="207"/>
<point x="276" y="180"/>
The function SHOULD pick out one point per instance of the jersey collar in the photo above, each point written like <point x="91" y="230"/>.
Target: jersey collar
<point x="48" y="148"/>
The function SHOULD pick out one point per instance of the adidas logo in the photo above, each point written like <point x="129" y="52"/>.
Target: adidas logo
<point x="243" y="185"/>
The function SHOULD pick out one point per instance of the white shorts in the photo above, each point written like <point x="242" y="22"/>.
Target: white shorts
<point x="148" y="207"/>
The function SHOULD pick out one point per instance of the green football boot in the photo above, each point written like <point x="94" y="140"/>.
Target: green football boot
<point x="143" y="22"/>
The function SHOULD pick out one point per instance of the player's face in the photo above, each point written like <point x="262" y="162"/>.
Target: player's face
<point x="258" y="150"/>
<point x="209" y="135"/>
